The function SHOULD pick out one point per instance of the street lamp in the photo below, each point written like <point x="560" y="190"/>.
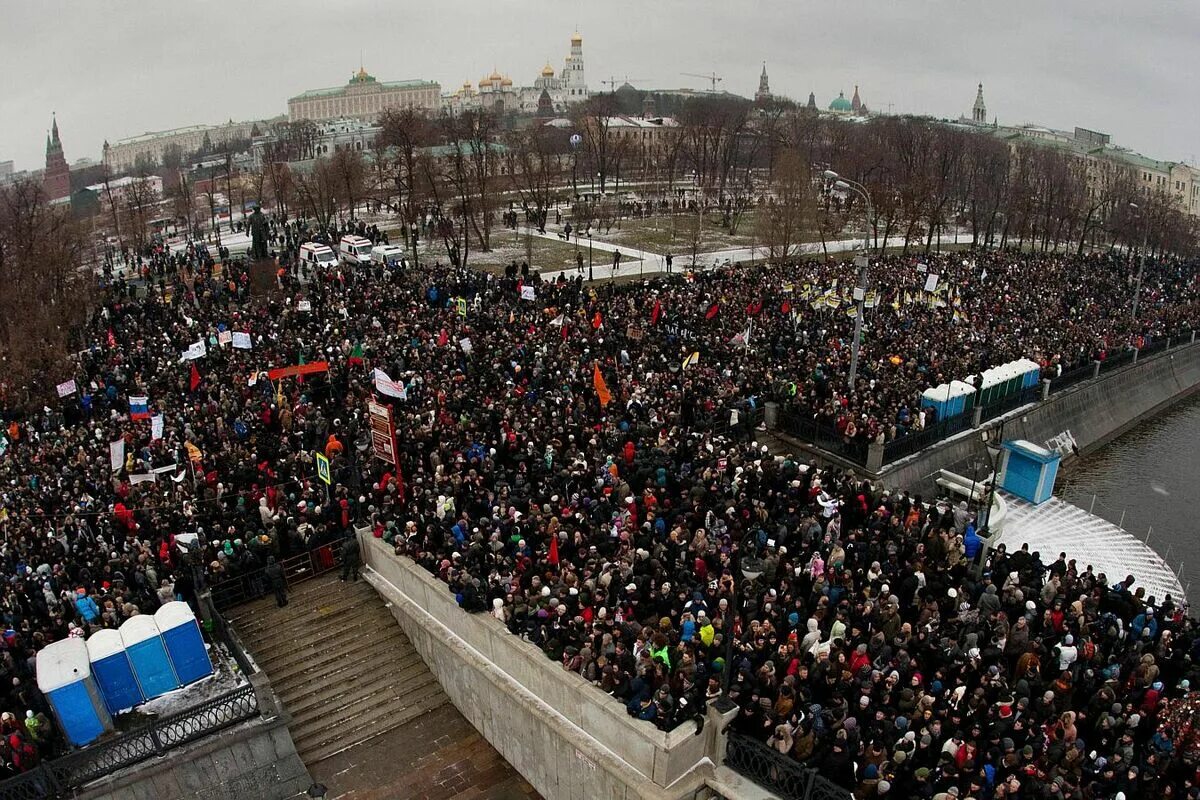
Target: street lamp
<point x="995" y="446"/>
<point x="1137" y="289"/>
<point x="591" y="277"/>
<point x="749" y="567"/>
<point x="862" y="262"/>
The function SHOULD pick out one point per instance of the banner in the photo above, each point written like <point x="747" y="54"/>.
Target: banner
<point x="465" y="344"/>
<point x="298" y="369"/>
<point x="139" y="407"/>
<point x="386" y="386"/>
<point x="156" y="427"/>
<point x="460" y="306"/>
<point x="383" y="432"/>
<point x="528" y="293"/>
<point x="241" y="340"/>
<point x="116" y="454"/>
<point x="66" y="388"/>
<point x="224" y="338"/>
<point x="931" y="282"/>
<point x="195" y="350"/>
<point x="304" y="305"/>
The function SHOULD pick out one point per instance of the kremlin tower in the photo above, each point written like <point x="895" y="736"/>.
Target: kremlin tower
<point x="56" y="181"/>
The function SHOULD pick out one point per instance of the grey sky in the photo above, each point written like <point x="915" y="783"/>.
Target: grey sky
<point x="117" y="68"/>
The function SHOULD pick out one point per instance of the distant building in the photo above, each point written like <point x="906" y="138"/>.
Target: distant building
<point x="764" y="87"/>
<point x="851" y="108"/>
<point x="6" y="170"/>
<point x="331" y="136"/>
<point x="150" y="147"/>
<point x="840" y="105"/>
<point x="363" y="98"/>
<point x="497" y="92"/>
<point x="56" y="180"/>
<point x="979" y="110"/>
<point x="642" y="142"/>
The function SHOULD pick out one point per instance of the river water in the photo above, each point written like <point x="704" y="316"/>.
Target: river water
<point x="1148" y="475"/>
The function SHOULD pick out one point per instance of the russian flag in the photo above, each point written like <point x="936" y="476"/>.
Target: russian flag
<point x="139" y="407"/>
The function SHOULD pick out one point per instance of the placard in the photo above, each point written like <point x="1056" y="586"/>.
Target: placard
<point x="383" y="431"/>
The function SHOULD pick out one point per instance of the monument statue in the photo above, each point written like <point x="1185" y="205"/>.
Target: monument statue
<point x="258" y="235"/>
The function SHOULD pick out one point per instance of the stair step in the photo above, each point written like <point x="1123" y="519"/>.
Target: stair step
<point x="369" y="668"/>
<point x="333" y="664"/>
<point x="301" y="706"/>
<point x="298" y="614"/>
<point x="282" y="653"/>
<point x="363" y="711"/>
<point x="337" y="742"/>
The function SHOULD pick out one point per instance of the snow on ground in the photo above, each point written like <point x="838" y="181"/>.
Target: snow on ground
<point x="225" y="678"/>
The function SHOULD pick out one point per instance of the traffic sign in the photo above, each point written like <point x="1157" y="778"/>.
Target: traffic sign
<point x="323" y="468"/>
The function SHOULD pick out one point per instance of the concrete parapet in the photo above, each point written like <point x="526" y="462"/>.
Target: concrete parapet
<point x="565" y="736"/>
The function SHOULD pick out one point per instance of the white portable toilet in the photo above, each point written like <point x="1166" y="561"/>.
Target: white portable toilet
<point x="64" y="675"/>
<point x="185" y="645"/>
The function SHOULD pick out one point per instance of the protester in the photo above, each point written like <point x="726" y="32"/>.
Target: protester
<point x="566" y="459"/>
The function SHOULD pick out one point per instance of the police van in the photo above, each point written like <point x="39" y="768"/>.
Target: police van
<point x="354" y="250"/>
<point x="313" y="254"/>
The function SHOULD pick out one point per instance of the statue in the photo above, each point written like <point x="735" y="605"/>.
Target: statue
<point x="258" y="235"/>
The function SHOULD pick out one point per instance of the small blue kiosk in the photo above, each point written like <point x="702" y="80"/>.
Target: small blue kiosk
<point x="184" y="643"/>
<point x="64" y="675"/>
<point x="1028" y="471"/>
<point x="114" y="673"/>
<point x="148" y="656"/>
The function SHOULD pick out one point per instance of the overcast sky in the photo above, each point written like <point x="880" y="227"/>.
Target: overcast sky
<point x="117" y="68"/>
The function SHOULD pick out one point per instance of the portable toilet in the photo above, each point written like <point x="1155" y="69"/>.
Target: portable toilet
<point x="1031" y="372"/>
<point x="1028" y="470"/>
<point x="64" y="675"/>
<point x="184" y="643"/>
<point x="964" y="396"/>
<point x="114" y="674"/>
<point x="148" y="655"/>
<point x="936" y="397"/>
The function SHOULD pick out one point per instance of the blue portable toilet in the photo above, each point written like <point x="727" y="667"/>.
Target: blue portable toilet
<point x="114" y="675"/>
<point x="184" y="643"/>
<point x="64" y="675"/>
<point x="1028" y="470"/>
<point x="148" y="656"/>
<point x="937" y="397"/>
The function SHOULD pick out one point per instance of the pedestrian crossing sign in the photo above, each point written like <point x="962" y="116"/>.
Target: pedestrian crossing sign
<point x="323" y="468"/>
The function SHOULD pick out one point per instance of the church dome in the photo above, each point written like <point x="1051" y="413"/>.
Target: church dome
<point x="840" y="103"/>
<point x="506" y="82"/>
<point x="495" y="76"/>
<point x="547" y="71"/>
<point x="576" y="38"/>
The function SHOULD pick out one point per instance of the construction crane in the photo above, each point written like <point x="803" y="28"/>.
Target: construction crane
<point x="612" y="83"/>
<point x="712" y="78"/>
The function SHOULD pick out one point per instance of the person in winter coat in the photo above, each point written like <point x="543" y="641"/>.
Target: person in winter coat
<point x="86" y="606"/>
<point x="275" y="576"/>
<point x="351" y="557"/>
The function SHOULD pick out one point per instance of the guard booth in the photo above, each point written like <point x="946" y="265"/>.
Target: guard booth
<point x="1028" y="470"/>
<point x="64" y="675"/>
<point x="114" y="673"/>
<point x="185" y="644"/>
<point x="148" y="656"/>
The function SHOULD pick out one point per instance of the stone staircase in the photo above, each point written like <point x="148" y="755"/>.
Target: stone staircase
<point x="339" y="663"/>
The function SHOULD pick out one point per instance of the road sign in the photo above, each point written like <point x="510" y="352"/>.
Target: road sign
<point x="323" y="468"/>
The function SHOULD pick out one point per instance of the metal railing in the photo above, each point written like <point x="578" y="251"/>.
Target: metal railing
<point x="1030" y="394"/>
<point x="60" y="777"/>
<point x="778" y="772"/>
<point x="1119" y="360"/>
<point x="221" y="632"/>
<point x="904" y="446"/>
<point x="806" y="429"/>
<point x="255" y="584"/>
<point x="1072" y="376"/>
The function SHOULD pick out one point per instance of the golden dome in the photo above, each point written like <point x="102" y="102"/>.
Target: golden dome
<point x="547" y="71"/>
<point x="495" y="76"/>
<point x="506" y="82"/>
<point x="576" y="38"/>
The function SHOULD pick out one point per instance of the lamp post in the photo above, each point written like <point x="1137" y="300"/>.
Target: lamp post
<point x="750" y="568"/>
<point x="863" y="262"/>
<point x="591" y="277"/>
<point x="995" y="450"/>
<point x="1137" y="289"/>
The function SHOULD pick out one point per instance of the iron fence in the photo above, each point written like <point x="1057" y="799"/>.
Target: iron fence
<point x="1114" y="361"/>
<point x="224" y="634"/>
<point x="904" y="446"/>
<point x="807" y="429"/>
<point x="1030" y="394"/>
<point x="255" y="584"/>
<point x="1071" y="377"/>
<point x="778" y="772"/>
<point x="60" y="777"/>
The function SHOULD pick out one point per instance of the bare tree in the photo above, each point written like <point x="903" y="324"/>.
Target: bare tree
<point x="781" y="222"/>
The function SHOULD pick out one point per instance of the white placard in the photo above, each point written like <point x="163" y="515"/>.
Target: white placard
<point x="241" y="340"/>
<point x="67" y="388"/>
<point x="931" y="282"/>
<point x="116" y="454"/>
<point x="156" y="427"/>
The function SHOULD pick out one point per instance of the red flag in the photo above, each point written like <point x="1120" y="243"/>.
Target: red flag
<point x="786" y="308"/>
<point x="112" y="340"/>
<point x="195" y="382"/>
<point x="553" y="557"/>
<point x="712" y="311"/>
<point x="564" y="332"/>
<point x="443" y="337"/>
<point x="597" y="321"/>
<point x="754" y="307"/>
<point x="656" y="313"/>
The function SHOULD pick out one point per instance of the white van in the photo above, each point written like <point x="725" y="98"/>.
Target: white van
<point x="313" y="254"/>
<point x="387" y="255"/>
<point x="354" y="250"/>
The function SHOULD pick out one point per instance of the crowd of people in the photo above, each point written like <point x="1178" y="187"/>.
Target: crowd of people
<point x="565" y="462"/>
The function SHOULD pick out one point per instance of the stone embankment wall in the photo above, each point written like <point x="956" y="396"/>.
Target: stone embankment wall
<point x="565" y="736"/>
<point x="1089" y="414"/>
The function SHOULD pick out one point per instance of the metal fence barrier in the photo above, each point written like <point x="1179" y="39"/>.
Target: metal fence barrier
<point x="910" y="443"/>
<point x="807" y="429"/>
<point x="1071" y="377"/>
<point x="255" y="584"/>
<point x="60" y="777"/>
<point x="778" y="772"/>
